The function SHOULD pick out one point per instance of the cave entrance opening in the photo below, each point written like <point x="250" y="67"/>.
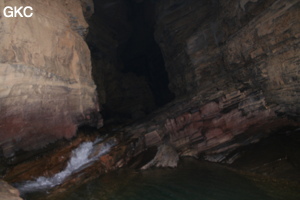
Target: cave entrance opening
<point x="128" y="65"/>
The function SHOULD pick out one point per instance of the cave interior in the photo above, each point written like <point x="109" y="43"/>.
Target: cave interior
<point x="132" y="74"/>
<point x="212" y="80"/>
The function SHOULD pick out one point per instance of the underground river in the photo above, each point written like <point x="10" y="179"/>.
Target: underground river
<point x="192" y="180"/>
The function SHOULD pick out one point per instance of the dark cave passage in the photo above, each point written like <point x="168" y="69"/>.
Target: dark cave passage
<point x="128" y="65"/>
<point x="141" y="54"/>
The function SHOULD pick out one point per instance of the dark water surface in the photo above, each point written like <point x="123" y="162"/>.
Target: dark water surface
<point x="192" y="180"/>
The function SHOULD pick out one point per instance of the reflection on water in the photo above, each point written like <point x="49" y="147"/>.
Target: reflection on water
<point x="191" y="180"/>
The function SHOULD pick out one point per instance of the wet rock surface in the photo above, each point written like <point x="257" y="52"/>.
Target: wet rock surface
<point x="57" y="159"/>
<point x="265" y="160"/>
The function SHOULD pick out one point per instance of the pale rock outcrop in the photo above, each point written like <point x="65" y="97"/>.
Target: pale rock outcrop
<point x="7" y="192"/>
<point x="46" y="88"/>
<point x="166" y="156"/>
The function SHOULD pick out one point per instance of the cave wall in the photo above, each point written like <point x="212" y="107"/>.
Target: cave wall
<point x="215" y="48"/>
<point x="46" y="88"/>
<point x="234" y="67"/>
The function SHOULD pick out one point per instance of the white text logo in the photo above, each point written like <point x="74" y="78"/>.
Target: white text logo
<point x="9" y="11"/>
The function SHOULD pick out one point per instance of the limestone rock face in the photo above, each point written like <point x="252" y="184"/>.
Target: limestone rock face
<point x="230" y="45"/>
<point x="214" y="48"/>
<point x="8" y="192"/>
<point x="234" y="67"/>
<point x="46" y="88"/>
<point x="238" y="61"/>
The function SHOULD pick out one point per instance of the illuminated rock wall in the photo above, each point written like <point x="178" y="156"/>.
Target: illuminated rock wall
<point x="46" y="88"/>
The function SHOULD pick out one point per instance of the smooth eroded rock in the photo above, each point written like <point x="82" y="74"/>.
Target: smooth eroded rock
<point x="7" y="192"/>
<point x="166" y="156"/>
<point x="46" y="88"/>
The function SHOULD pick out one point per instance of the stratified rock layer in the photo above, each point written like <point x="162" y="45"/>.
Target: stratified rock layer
<point x="46" y="88"/>
<point x="217" y="48"/>
<point x="234" y="66"/>
<point x="238" y="61"/>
